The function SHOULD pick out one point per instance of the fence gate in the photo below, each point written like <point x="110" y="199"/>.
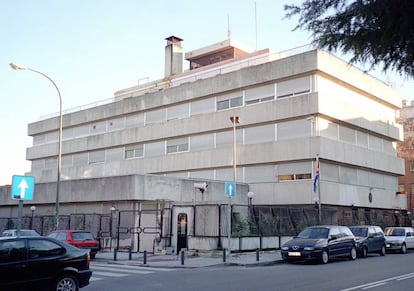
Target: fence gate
<point x="138" y="230"/>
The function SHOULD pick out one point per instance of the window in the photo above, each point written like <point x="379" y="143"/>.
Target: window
<point x="411" y="166"/>
<point x="177" y="145"/>
<point x="203" y="106"/>
<point x="294" y="171"/>
<point x="155" y="116"/>
<point x="202" y="142"/>
<point x="12" y="251"/>
<point x="178" y="111"/>
<point x="44" y="248"/>
<point x="96" y="157"/>
<point x="229" y="101"/>
<point x="291" y="177"/>
<point x="259" y="94"/>
<point x="293" y="129"/>
<point x="294" y="87"/>
<point x="259" y="134"/>
<point x="134" y="151"/>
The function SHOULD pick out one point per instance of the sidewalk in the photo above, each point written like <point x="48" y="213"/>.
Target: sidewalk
<point x="192" y="260"/>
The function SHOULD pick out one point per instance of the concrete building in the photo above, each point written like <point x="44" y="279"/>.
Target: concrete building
<point x="293" y="106"/>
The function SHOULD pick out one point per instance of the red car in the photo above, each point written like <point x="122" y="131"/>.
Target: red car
<point x="78" y="238"/>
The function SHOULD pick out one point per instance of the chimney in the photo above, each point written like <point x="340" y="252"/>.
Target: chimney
<point x="173" y="56"/>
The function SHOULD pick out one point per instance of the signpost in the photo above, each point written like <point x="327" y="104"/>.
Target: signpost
<point x="22" y="189"/>
<point x="230" y="191"/>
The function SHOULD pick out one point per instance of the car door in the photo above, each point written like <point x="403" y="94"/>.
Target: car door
<point x="13" y="268"/>
<point x="373" y="240"/>
<point x="44" y="260"/>
<point x="334" y="242"/>
<point x="409" y="238"/>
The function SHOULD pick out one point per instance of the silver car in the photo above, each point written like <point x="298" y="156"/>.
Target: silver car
<point x="399" y="238"/>
<point x="15" y="232"/>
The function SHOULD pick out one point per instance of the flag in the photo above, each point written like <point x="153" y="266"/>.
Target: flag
<point x="317" y="172"/>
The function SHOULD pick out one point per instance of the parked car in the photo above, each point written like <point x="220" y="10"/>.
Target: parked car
<point x="320" y="243"/>
<point x="399" y="238"/>
<point x="78" y="238"/>
<point x="369" y="239"/>
<point x="21" y="232"/>
<point x="42" y="263"/>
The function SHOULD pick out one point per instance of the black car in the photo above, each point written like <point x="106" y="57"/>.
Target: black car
<point x="42" y="263"/>
<point x="370" y="239"/>
<point x="320" y="243"/>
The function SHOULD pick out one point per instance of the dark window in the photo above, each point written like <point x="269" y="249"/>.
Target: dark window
<point x="82" y="236"/>
<point x="44" y="248"/>
<point x="11" y="251"/>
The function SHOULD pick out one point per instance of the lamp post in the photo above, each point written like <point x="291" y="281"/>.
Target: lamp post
<point x="59" y="161"/>
<point x="112" y="209"/>
<point x="234" y="120"/>
<point x="32" y="209"/>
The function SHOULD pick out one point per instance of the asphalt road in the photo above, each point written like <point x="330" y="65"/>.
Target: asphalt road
<point x="392" y="272"/>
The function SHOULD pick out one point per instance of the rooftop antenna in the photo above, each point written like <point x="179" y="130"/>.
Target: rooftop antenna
<point x="255" y="22"/>
<point x="228" y="27"/>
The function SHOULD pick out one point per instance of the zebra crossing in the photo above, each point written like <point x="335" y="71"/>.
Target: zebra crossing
<point x="104" y="270"/>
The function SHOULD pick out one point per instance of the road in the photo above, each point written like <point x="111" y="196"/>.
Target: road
<point x="392" y="272"/>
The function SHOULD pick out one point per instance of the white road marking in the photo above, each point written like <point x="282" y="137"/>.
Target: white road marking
<point x="102" y="270"/>
<point x="380" y="282"/>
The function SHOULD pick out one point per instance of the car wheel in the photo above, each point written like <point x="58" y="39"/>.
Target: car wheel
<point x="66" y="282"/>
<point x="325" y="257"/>
<point x="353" y="253"/>
<point x="383" y="251"/>
<point x="403" y="249"/>
<point x="364" y="252"/>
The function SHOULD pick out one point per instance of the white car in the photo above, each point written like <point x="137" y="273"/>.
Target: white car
<point x="399" y="238"/>
<point x="15" y="232"/>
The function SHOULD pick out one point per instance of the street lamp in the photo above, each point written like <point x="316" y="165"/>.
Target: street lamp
<point x="250" y="204"/>
<point x="112" y="209"/>
<point x="59" y="162"/>
<point x="234" y="120"/>
<point x="32" y="209"/>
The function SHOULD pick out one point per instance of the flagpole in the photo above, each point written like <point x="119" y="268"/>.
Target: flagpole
<point x="319" y="191"/>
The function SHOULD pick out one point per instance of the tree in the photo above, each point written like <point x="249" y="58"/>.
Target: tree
<point x="376" y="31"/>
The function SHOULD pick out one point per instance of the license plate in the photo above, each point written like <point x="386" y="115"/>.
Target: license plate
<point x="294" y="254"/>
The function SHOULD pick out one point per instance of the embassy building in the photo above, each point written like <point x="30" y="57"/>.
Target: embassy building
<point x="278" y="113"/>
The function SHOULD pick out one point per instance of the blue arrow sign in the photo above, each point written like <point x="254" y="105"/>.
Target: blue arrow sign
<point x="22" y="187"/>
<point x="230" y="189"/>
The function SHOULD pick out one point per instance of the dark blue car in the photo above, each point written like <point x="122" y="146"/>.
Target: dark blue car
<point x="320" y="243"/>
<point x="370" y="239"/>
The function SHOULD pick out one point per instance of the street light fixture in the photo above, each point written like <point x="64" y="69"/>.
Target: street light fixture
<point x="32" y="209"/>
<point x="59" y="162"/>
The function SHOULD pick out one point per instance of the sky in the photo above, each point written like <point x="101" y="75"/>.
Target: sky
<point x="93" y="48"/>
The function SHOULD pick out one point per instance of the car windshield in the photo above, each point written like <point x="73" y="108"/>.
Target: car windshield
<point x="82" y="236"/>
<point x="314" y="232"/>
<point x="359" y="231"/>
<point x="395" y="232"/>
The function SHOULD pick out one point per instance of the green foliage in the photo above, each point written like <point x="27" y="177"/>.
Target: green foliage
<point x="376" y="31"/>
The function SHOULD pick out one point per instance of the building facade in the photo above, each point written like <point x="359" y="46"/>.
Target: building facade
<point x="406" y="151"/>
<point x="293" y="106"/>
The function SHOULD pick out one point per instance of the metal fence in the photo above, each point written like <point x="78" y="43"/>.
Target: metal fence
<point x="145" y="228"/>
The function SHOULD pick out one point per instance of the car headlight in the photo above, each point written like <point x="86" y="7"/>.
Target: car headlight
<point x="285" y="248"/>
<point x="308" y="248"/>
